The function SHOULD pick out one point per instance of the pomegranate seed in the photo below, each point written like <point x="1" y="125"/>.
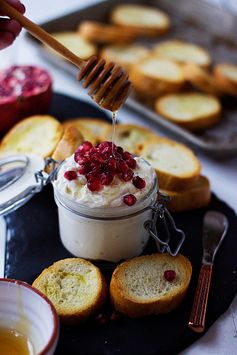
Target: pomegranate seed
<point x="131" y="163"/>
<point x="84" y="147"/>
<point x="94" y="185"/>
<point x="122" y="166"/>
<point x="127" y="156"/>
<point x="119" y="150"/>
<point x="169" y="275"/>
<point x="106" y="147"/>
<point x="129" y="199"/>
<point x="80" y="158"/>
<point x="106" y="178"/>
<point x="138" y="182"/>
<point x="112" y="165"/>
<point x="70" y="175"/>
<point x="84" y="169"/>
<point x="97" y="157"/>
<point x="127" y="175"/>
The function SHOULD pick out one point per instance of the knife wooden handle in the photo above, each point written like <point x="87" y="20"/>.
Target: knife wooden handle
<point x="198" y="313"/>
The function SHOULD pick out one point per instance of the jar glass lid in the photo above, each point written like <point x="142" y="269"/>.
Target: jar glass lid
<point x="18" y="182"/>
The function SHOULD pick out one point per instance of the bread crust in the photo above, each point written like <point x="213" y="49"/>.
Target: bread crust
<point x="196" y="196"/>
<point x="80" y="314"/>
<point x="194" y="123"/>
<point x="152" y="86"/>
<point x="120" y="18"/>
<point x="75" y="43"/>
<point x="190" y="52"/>
<point x="85" y="132"/>
<point x="95" y="125"/>
<point x="226" y="83"/>
<point x="126" y="130"/>
<point x="68" y="144"/>
<point x="20" y="137"/>
<point x="115" y="54"/>
<point x="101" y="33"/>
<point x="131" y="307"/>
<point x="201" y="79"/>
<point x="166" y="179"/>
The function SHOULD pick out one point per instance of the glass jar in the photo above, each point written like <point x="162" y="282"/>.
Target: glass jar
<point x="105" y="233"/>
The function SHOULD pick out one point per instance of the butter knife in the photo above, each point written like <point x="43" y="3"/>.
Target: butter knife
<point x="214" y="230"/>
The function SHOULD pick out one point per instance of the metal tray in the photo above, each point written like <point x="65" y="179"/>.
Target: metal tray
<point x="192" y="20"/>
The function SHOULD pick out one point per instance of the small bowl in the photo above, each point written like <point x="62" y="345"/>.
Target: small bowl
<point x="28" y="311"/>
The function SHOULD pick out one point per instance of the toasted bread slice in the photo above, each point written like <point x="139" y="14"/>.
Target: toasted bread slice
<point x="75" y="286"/>
<point x="141" y="20"/>
<point x="191" y="110"/>
<point x="35" y="134"/>
<point x="139" y="287"/>
<point x="75" y="43"/>
<point x="196" y="196"/>
<point x="86" y="133"/>
<point x="153" y="77"/>
<point x="201" y="79"/>
<point x="176" y="165"/>
<point x="68" y="144"/>
<point x="226" y="76"/>
<point x="183" y="52"/>
<point x="126" y="56"/>
<point x="130" y="137"/>
<point x="101" y="33"/>
<point x="97" y="127"/>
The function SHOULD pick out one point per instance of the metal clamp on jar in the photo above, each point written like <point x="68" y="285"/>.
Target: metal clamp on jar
<point x="96" y="233"/>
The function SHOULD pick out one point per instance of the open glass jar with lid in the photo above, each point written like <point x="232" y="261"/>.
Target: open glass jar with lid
<point x="111" y="232"/>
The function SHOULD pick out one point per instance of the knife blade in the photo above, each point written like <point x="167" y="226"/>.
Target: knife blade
<point x="215" y="227"/>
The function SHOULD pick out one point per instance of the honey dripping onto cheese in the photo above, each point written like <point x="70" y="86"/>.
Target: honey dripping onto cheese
<point x="14" y="343"/>
<point x="114" y="118"/>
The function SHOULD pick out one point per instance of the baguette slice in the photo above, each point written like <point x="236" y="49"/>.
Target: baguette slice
<point x="75" y="286"/>
<point x="176" y="165"/>
<point x="100" y="33"/>
<point x="138" y="287"/>
<point x="191" y="110"/>
<point x="75" y="43"/>
<point x="126" y="56"/>
<point x="141" y="20"/>
<point x="95" y="126"/>
<point x="226" y="76"/>
<point x="153" y="77"/>
<point x="183" y="52"/>
<point x="201" y="79"/>
<point x="196" y="196"/>
<point x="35" y="134"/>
<point x="68" y="144"/>
<point x="130" y="137"/>
<point x="85" y="131"/>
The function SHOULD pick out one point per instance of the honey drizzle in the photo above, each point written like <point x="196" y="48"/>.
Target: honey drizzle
<point x="114" y="119"/>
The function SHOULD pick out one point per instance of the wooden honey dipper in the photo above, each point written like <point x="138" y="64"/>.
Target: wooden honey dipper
<point x="109" y="84"/>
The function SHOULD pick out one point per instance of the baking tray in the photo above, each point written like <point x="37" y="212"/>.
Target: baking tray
<point x="192" y="20"/>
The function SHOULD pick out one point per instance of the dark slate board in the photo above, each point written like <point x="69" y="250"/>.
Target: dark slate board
<point x="33" y="243"/>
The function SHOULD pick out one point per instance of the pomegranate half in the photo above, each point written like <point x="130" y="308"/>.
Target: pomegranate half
<point x="24" y="91"/>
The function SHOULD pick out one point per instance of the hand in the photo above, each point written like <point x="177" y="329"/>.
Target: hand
<point x="10" y="29"/>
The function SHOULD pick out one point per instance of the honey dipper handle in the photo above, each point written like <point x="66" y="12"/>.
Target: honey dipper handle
<point x="198" y="313"/>
<point x="39" y="33"/>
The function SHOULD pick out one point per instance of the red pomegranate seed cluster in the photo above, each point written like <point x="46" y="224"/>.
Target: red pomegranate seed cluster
<point x="100" y="164"/>
<point x="169" y="275"/>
